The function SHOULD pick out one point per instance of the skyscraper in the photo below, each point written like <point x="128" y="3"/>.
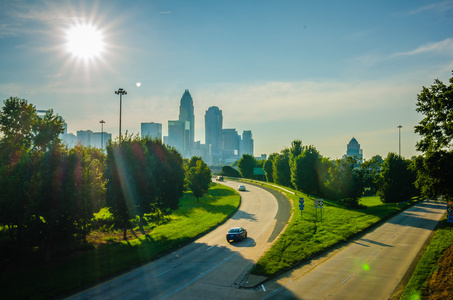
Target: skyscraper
<point x="213" y="122"/>
<point x="353" y="150"/>
<point x="152" y="130"/>
<point x="186" y="114"/>
<point x="247" y="143"/>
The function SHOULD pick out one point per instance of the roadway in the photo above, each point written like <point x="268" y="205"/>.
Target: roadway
<point x="210" y="267"/>
<point x="368" y="268"/>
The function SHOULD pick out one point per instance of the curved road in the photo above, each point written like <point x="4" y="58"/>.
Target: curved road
<point x="368" y="268"/>
<point x="208" y="268"/>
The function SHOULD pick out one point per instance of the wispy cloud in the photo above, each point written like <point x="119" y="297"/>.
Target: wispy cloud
<point x="445" y="46"/>
<point x="439" y="7"/>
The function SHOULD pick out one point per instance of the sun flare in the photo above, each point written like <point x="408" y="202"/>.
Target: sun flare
<point x="84" y="41"/>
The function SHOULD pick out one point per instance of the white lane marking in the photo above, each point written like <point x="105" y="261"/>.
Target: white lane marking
<point x="376" y="252"/>
<point x="263" y="287"/>
<point x="210" y="248"/>
<point x="162" y="273"/>
<point x="344" y="281"/>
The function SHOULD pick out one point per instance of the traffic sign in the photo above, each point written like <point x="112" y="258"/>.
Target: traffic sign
<point x="450" y="218"/>
<point x="301" y="206"/>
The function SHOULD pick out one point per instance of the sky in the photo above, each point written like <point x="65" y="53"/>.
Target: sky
<point x="317" y="71"/>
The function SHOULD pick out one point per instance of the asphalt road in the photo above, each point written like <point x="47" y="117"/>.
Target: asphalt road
<point x="370" y="267"/>
<point x="210" y="267"/>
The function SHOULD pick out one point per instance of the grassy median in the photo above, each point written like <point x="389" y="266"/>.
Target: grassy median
<point x="314" y="230"/>
<point x="45" y="280"/>
<point x="432" y="278"/>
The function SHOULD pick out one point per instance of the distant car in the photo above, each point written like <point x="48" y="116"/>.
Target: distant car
<point x="241" y="188"/>
<point x="219" y="178"/>
<point x="236" y="234"/>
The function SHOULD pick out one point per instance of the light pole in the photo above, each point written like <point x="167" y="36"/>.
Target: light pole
<point x="120" y="92"/>
<point x="399" y="138"/>
<point x="102" y="133"/>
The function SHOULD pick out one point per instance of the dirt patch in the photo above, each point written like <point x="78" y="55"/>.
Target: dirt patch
<point x="98" y="238"/>
<point x="440" y="286"/>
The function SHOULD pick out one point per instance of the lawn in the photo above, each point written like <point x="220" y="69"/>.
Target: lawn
<point x="45" y="280"/>
<point x="432" y="278"/>
<point x="314" y="230"/>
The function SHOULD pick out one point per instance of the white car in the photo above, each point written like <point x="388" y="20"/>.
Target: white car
<point x="241" y="188"/>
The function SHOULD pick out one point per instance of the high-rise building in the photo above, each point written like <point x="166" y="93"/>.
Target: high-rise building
<point x="230" y="145"/>
<point x="186" y="114"/>
<point x="178" y="136"/>
<point x="213" y="122"/>
<point x="353" y="150"/>
<point x="100" y="139"/>
<point x="247" y="143"/>
<point x="84" y="137"/>
<point x="152" y="130"/>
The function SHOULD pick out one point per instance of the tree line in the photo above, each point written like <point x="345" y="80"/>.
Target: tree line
<point x="393" y="179"/>
<point x="49" y="192"/>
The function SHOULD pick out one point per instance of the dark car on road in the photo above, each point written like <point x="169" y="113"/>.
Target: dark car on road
<point x="236" y="234"/>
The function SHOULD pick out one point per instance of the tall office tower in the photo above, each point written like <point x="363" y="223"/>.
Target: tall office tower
<point x="186" y="114"/>
<point x="178" y="136"/>
<point x="152" y="130"/>
<point x="353" y="149"/>
<point x="84" y="137"/>
<point x="230" y="144"/>
<point x="213" y="123"/>
<point x="247" y="143"/>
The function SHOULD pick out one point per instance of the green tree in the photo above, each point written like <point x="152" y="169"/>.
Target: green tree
<point x="346" y="182"/>
<point x="281" y="169"/>
<point x="304" y="174"/>
<point x="434" y="168"/>
<point x="198" y="179"/>
<point x="269" y="167"/>
<point x="396" y="180"/>
<point x="246" y="165"/>
<point x="230" y="172"/>
<point x="371" y="169"/>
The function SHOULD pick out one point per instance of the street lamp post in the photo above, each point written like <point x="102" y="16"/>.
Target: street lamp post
<point x="102" y="133"/>
<point x="120" y="92"/>
<point x="399" y="138"/>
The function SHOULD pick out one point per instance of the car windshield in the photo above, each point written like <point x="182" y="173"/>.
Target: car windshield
<point x="233" y="230"/>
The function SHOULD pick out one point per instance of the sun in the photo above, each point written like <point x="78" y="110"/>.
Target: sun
<point x="84" y="41"/>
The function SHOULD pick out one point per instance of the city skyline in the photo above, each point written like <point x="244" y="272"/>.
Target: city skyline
<point x="319" y="72"/>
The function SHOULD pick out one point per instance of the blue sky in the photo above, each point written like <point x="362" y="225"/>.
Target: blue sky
<point x="317" y="71"/>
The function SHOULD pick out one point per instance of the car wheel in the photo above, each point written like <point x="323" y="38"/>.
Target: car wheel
<point x="245" y="236"/>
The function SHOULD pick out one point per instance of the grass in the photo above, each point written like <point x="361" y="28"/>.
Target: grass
<point x="429" y="263"/>
<point x="42" y="281"/>
<point x="306" y="235"/>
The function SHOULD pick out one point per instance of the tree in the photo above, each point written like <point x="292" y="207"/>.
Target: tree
<point x="198" y="179"/>
<point x="230" y="172"/>
<point x="436" y="129"/>
<point x="396" y="180"/>
<point x="281" y="169"/>
<point x="370" y="170"/>
<point x="268" y="167"/>
<point x="144" y="177"/>
<point x="434" y="169"/>
<point x="246" y="165"/>
<point x="304" y="174"/>
<point x="346" y="182"/>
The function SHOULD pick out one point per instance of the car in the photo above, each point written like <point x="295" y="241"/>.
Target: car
<point x="241" y="188"/>
<point x="236" y="234"/>
<point x="219" y="178"/>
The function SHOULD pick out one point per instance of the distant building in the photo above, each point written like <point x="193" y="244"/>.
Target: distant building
<point x="152" y="130"/>
<point x="246" y="143"/>
<point x="353" y="150"/>
<point x="100" y="139"/>
<point x="213" y="122"/>
<point x="68" y="139"/>
<point x="84" y="137"/>
<point x="186" y="114"/>
<point x="230" y="145"/>
<point x="179" y="136"/>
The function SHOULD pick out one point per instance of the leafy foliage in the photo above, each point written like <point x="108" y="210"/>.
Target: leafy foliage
<point x="396" y="181"/>
<point x="230" y="172"/>
<point x="198" y="177"/>
<point x="246" y="165"/>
